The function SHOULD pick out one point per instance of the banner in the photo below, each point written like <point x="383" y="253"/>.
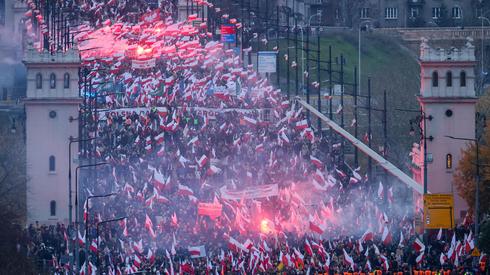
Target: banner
<point x="197" y="251"/>
<point x="228" y="33"/>
<point x="212" y="210"/>
<point x="254" y="192"/>
<point x="210" y="113"/>
<point x="143" y="64"/>
<point x="267" y="62"/>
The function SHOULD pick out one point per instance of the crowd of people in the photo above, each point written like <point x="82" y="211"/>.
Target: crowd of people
<point x="215" y="171"/>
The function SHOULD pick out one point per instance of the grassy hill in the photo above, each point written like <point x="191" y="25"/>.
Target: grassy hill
<point x="390" y="66"/>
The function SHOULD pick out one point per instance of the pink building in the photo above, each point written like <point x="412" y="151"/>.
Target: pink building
<point x="447" y="97"/>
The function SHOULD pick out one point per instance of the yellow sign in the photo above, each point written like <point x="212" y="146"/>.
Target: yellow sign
<point x="438" y="211"/>
<point x="475" y="253"/>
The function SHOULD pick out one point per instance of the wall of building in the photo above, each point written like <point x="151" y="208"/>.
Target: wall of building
<point x="45" y="137"/>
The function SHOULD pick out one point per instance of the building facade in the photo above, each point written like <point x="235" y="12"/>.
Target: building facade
<point x="388" y="13"/>
<point x="447" y="99"/>
<point x="52" y="98"/>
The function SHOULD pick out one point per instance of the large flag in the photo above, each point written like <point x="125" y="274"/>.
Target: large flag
<point x="197" y="251"/>
<point x="386" y="237"/>
<point x="348" y="259"/>
<point x="418" y="245"/>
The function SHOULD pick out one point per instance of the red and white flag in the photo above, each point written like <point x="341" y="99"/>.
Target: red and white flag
<point x="367" y="236"/>
<point x="386" y="237"/>
<point x="380" y="190"/>
<point x="318" y="163"/>
<point x="197" y="251"/>
<point x="439" y="234"/>
<point x="93" y="246"/>
<point x="202" y="161"/>
<point x="185" y="191"/>
<point x="348" y="259"/>
<point x="301" y="125"/>
<point x="149" y="227"/>
<point x="418" y="245"/>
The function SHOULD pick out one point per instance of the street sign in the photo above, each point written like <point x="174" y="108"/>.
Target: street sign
<point x="438" y="211"/>
<point x="228" y="33"/>
<point x="267" y="62"/>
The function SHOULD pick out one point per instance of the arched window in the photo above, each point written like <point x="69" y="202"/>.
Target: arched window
<point x="462" y="79"/>
<point x="39" y="81"/>
<point x="66" y="81"/>
<point x="52" y="208"/>
<point x="449" y="161"/>
<point x="52" y="81"/>
<point x="435" y="79"/>
<point x="449" y="79"/>
<point x="52" y="164"/>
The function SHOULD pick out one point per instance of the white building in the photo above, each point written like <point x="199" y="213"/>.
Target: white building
<point x="52" y="97"/>
<point x="447" y="97"/>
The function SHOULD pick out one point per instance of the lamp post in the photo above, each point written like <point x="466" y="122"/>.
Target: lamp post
<point x="482" y="50"/>
<point x="88" y="214"/>
<point x="77" y="244"/>
<point x="359" y="70"/>
<point x="97" y="236"/>
<point x="422" y="118"/>
<point x="70" y="204"/>
<point x="477" y="187"/>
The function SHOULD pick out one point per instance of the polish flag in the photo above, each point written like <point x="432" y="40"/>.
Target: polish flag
<point x="161" y="152"/>
<point x="213" y="170"/>
<point x="386" y="264"/>
<point x="158" y="181"/>
<point x="236" y="245"/>
<point x="308" y="249"/>
<point x="348" y="259"/>
<point x="174" y="220"/>
<point x="439" y="234"/>
<point x="202" y="161"/>
<point x="390" y="195"/>
<point x="197" y="251"/>
<point x="418" y="245"/>
<point x="159" y="198"/>
<point x="442" y="259"/>
<point x="420" y="258"/>
<point x="138" y="247"/>
<point x="193" y="140"/>
<point x="301" y="125"/>
<point x="185" y="191"/>
<point x="159" y="138"/>
<point x="386" y="237"/>
<point x="149" y="227"/>
<point x="316" y="162"/>
<point x="367" y="236"/>
<point x="81" y="240"/>
<point x="137" y="261"/>
<point x="317" y="228"/>
<point x="93" y="246"/>
<point x="150" y="256"/>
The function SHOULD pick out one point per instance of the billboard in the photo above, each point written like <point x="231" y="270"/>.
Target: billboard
<point x="267" y="62"/>
<point x="438" y="211"/>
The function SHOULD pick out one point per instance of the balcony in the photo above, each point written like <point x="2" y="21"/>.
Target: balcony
<point x="315" y="2"/>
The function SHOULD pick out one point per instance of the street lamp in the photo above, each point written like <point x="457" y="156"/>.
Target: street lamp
<point x="477" y="189"/>
<point x="97" y="236"/>
<point x="359" y="53"/>
<point x="88" y="209"/>
<point x="482" y="45"/>
<point x="77" y="244"/>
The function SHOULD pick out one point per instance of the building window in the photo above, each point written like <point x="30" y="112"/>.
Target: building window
<point x="462" y="79"/>
<point x="414" y="12"/>
<point x="39" y="81"/>
<point x="66" y="81"/>
<point x="456" y="12"/>
<point x="337" y="14"/>
<point x="449" y="79"/>
<point x="449" y="161"/>
<point x="436" y="13"/>
<point x="52" y="81"/>
<point x="364" y="13"/>
<point x="52" y="164"/>
<point x="435" y="79"/>
<point x="52" y="208"/>
<point x="391" y="13"/>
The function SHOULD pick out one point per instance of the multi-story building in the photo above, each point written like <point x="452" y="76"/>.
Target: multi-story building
<point x="387" y="13"/>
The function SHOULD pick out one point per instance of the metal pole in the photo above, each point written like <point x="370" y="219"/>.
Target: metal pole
<point x="356" y="151"/>
<point x="342" y="103"/>
<point x="296" y="54"/>
<point x="359" y="81"/>
<point x="370" y="163"/>
<point x="385" y="146"/>
<point x="477" y="194"/>
<point x="307" y="76"/>
<point x="319" y="99"/>
<point x="330" y="84"/>
<point x="287" y="61"/>
<point x="277" y="45"/>
<point x="424" y="135"/>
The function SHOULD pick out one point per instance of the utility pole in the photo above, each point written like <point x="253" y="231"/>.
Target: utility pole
<point x="342" y="148"/>
<point x="356" y="151"/>
<point x="370" y="161"/>
<point x="307" y="69"/>
<point x="319" y="99"/>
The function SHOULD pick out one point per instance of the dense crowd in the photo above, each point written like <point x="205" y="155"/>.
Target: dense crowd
<point x="215" y="171"/>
